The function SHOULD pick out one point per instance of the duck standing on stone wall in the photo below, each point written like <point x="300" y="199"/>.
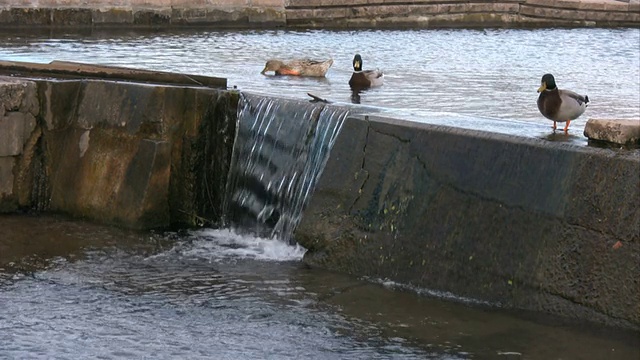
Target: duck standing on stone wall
<point x="299" y="67"/>
<point x="559" y="105"/>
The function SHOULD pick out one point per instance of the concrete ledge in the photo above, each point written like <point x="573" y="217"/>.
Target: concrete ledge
<point x="71" y="70"/>
<point x="623" y="132"/>
<point x="522" y="222"/>
<point x="132" y="153"/>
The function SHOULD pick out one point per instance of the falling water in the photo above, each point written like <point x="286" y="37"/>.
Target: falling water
<point x="280" y="150"/>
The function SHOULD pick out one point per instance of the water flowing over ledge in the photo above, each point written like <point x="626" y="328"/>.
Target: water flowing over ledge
<point x="280" y="150"/>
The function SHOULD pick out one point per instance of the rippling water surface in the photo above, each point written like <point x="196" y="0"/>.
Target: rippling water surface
<point x="75" y="290"/>
<point x="486" y="73"/>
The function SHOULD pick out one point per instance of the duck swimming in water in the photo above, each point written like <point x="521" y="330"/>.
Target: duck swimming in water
<point x="559" y="105"/>
<point x="364" y="78"/>
<point x="299" y="67"/>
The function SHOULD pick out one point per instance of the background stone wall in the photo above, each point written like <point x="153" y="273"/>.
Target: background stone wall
<point x="317" y="13"/>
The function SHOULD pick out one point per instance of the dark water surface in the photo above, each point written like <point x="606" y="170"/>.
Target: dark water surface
<point x="76" y="290"/>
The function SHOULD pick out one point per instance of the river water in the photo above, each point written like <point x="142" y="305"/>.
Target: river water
<point x="73" y="290"/>
<point x="489" y="73"/>
<point x="76" y="290"/>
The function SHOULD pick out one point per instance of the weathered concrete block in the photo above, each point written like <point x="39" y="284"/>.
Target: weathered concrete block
<point x="18" y="95"/>
<point x="613" y="130"/>
<point x="268" y="3"/>
<point x="142" y="196"/>
<point x="405" y="201"/>
<point x="591" y="5"/>
<point x="554" y="13"/>
<point x="188" y="15"/>
<point x="414" y="10"/>
<point x="299" y="14"/>
<point x="29" y="125"/>
<point x="485" y="7"/>
<point x="152" y="18"/>
<point x="303" y="3"/>
<point x="616" y="6"/>
<point x="76" y="17"/>
<point x="6" y="179"/>
<point x="566" y="4"/>
<point x="130" y="106"/>
<point x="270" y="16"/>
<point x="12" y="133"/>
<point x="24" y="16"/>
<point x="112" y="16"/>
<point x="452" y="8"/>
<point x="59" y="103"/>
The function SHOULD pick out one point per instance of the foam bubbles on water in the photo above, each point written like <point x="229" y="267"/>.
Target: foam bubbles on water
<point x="225" y="244"/>
<point x="429" y="292"/>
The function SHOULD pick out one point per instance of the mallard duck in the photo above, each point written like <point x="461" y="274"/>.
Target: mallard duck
<point x="559" y="105"/>
<point x="364" y="78"/>
<point x="299" y="67"/>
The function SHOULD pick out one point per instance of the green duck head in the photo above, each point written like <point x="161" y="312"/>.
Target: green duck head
<point x="548" y="82"/>
<point x="357" y="63"/>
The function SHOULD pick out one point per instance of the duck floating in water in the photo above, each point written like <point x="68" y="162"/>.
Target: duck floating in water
<point x="299" y="67"/>
<point x="559" y="105"/>
<point x="364" y="78"/>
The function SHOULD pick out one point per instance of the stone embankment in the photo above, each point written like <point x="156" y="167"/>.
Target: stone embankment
<point x="522" y="222"/>
<point x="114" y="145"/>
<point x="96" y="14"/>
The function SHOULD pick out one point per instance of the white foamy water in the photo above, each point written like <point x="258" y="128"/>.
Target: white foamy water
<point x="226" y="244"/>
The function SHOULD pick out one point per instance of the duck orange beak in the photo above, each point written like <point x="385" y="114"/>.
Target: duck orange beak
<point x="542" y="87"/>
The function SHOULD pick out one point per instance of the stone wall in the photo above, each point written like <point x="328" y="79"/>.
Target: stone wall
<point x="128" y="153"/>
<point x="317" y="13"/>
<point x="474" y="13"/>
<point x="521" y="222"/>
<point x="142" y="13"/>
<point x="19" y="107"/>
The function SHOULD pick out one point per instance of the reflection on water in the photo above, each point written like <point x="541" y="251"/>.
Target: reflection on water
<point x="72" y="290"/>
<point x="490" y="73"/>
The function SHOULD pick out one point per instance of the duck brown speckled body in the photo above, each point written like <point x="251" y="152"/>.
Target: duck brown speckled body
<point x="299" y="67"/>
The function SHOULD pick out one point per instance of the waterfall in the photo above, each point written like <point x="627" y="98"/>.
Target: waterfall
<point x="280" y="150"/>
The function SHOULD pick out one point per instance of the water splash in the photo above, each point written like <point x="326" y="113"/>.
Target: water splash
<point x="218" y="245"/>
<point x="280" y="150"/>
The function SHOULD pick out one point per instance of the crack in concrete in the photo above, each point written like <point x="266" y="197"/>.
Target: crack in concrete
<point x="362" y="166"/>
<point x="395" y="136"/>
